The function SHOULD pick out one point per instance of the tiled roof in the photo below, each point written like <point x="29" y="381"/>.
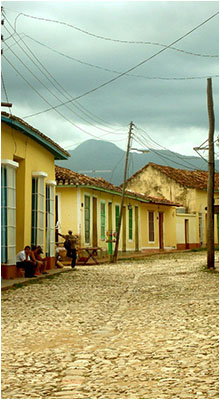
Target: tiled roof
<point x="194" y="179"/>
<point x="36" y="131"/>
<point x="66" y="177"/>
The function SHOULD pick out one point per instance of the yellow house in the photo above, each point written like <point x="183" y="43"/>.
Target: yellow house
<point x="182" y="186"/>
<point x="27" y="189"/>
<point x="90" y="207"/>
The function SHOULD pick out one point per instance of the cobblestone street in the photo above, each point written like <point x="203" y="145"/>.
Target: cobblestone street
<point x="145" y="329"/>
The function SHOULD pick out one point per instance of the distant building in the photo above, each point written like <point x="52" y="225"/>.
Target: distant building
<point x="182" y="186"/>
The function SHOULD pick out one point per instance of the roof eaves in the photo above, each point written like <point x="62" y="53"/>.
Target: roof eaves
<point x="58" y="153"/>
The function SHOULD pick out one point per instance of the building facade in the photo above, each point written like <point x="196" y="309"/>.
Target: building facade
<point x="27" y="189"/>
<point x="90" y="207"/>
<point x="186" y="187"/>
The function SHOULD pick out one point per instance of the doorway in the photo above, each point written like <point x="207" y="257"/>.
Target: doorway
<point x="186" y="234"/>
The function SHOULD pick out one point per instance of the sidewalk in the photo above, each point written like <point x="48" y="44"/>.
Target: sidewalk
<point x="9" y="283"/>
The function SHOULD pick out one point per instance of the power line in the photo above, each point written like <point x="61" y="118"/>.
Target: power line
<point x="110" y="39"/>
<point x="114" y="71"/>
<point x="49" y="80"/>
<point x="162" y="147"/>
<point x="129" y="70"/>
<point x="72" y="123"/>
<point x="163" y="157"/>
<point x="77" y="104"/>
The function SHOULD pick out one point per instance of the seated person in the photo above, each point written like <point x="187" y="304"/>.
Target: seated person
<point x="23" y="260"/>
<point x="42" y="261"/>
<point x="59" y="258"/>
<point x="33" y="258"/>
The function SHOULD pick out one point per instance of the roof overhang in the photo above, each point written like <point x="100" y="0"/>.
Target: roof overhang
<point x="113" y="192"/>
<point x="58" y="154"/>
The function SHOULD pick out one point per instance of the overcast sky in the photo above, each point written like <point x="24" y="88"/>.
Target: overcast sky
<point x="172" y="112"/>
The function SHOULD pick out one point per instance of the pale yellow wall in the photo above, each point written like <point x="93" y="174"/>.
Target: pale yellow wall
<point x="72" y="217"/>
<point x="31" y="156"/>
<point x="67" y="211"/>
<point x="180" y="228"/>
<point x="201" y="201"/>
<point x="152" y="182"/>
<point x="169" y="226"/>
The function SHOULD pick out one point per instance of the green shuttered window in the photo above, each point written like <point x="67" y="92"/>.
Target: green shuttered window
<point x="87" y="219"/>
<point x="102" y="221"/>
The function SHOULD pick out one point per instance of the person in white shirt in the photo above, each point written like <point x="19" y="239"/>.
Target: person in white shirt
<point x="23" y="260"/>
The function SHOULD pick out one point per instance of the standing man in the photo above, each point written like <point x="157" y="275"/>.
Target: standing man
<point x="70" y="244"/>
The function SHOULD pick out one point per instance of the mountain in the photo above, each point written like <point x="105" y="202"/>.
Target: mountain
<point x="98" y="158"/>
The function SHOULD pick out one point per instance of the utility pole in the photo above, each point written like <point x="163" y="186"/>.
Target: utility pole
<point x="123" y="194"/>
<point x="210" y="203"/>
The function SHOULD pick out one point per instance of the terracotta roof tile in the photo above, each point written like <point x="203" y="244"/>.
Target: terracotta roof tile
<point x="46" y="138"/>
<point x="194" y="179"/>
<point x="65" y="176"/>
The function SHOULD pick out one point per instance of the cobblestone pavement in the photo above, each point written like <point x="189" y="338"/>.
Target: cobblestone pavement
<point x="145" y="329"/>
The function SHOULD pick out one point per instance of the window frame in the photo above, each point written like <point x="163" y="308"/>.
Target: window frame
<point x="8" y="211"/>
<point x="38" y="208"/>
<point x="50" y="218"/>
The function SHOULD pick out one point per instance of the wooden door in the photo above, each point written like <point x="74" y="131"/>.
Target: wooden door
<point x="94" y="222"/>
<point x="161" y="244"/>
<point x="186" y="233"/>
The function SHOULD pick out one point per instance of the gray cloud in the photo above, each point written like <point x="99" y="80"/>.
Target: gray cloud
<point x="163" y="106"/>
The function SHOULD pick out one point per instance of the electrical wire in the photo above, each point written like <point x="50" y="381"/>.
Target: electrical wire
<point x="164" y="148"/>
<point x="28" y="83"/>
<point x="182" y="158"/>
<point x="118" y="72"/>
<point x="163" y="157"/>
<point x="127" y="71"/>
<point x="110" y="39"/>
<point x="50" y="81"/>
<point x="76" y="104"/>
<point x="116" y="165"/>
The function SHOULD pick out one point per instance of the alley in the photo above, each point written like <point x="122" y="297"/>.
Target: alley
<point x="144" y="329"/>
